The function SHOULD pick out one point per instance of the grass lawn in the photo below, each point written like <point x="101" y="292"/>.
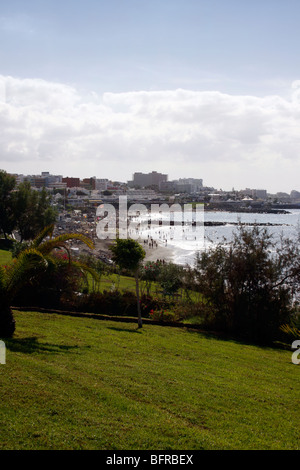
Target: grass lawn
<point x="119" y="282"/>
<point x="5" y="256"/>
<point x="76" y="383"/>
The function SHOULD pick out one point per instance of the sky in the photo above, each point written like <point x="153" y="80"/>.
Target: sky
<point x="193" y="88"/>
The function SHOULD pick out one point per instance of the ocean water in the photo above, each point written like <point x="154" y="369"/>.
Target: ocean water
<point x="188" y="240"/>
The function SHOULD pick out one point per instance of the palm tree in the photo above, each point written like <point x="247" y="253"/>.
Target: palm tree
<point x="34" y="260"/>
<point x="129" y="254"/>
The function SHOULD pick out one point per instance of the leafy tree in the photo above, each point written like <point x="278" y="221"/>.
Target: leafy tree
<point x="97" y="265"/>
<point x="7" y="219"/>
<point x="32" y="211"/>
<point x="28" y="268"/>
<point x="23" y="208"/>
<point x="170" y="278"/>
<point x="128" y="254"/>
<point x="22" y="270"/>
<point x="248" y="284"/>
<point x="150" y="273"/>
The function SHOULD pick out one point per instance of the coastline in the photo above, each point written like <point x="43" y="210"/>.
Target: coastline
<point x="218" y="227"/>
<point x="158" y="251"/>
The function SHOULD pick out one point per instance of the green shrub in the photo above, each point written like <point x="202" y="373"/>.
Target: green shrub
<point x="163" y="315"/>
<point x="248" y="285"/>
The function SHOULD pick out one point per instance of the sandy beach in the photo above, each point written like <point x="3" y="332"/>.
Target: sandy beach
<point x="158" y="251"/>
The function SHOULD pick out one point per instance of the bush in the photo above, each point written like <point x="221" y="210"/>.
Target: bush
<point x="58" y="287"/>
<point x="248" y="285"/>
<point x="163" y="315"/>
<point x="109" y="303"/>
<point x="193" y="311"/>
<point x="149" y="303"/>
<point x="170" y="278"/>
<point x="118" y="303"/>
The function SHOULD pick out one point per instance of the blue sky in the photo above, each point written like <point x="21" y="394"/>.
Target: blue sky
<point x="237" y="45"/>
<point x="115" y="55"/>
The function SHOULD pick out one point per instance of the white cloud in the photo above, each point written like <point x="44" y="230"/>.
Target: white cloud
<point x="225" y="139"/>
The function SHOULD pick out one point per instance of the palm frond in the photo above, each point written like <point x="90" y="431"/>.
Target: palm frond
<point x="76" y="236"/>
<point x="290" y="330"/>
<point x="47" y="247"/>
<point x="36" y="258"/>
<point x="60" y="242"/>
<point x="28" y="264"/>
<point x="46" y="232"/>
<point x="84" y="268"/>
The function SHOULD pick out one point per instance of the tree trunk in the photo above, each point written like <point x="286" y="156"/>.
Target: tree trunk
<point x="140" y="323"/>
<point x="7" y="322"/>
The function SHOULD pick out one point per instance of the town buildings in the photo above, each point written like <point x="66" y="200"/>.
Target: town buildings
<point x="143" y="180"/>
<point x="152" y="186"/>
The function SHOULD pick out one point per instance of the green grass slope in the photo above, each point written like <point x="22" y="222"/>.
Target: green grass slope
<point x="5" y="256"/>
<point x="76" y="383"/>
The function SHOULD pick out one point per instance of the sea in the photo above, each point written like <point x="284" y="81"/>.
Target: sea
<point x="184" y="242"/>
